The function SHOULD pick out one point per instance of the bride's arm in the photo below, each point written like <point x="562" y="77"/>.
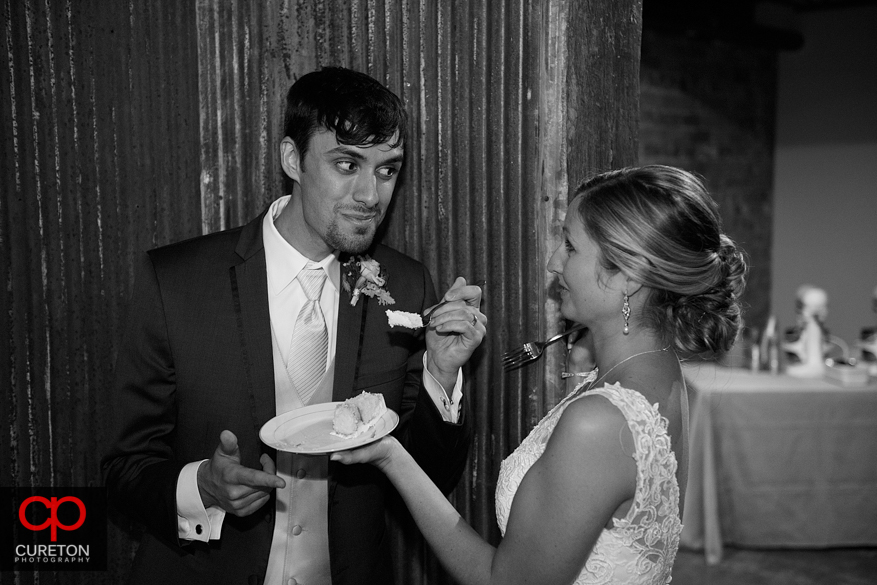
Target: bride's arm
<point x="559" y="510"/>
<point x="458" y="547"/>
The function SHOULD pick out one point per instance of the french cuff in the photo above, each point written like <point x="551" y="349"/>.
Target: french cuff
<point x="194" y="521"/>
<point x="448" y="407"/>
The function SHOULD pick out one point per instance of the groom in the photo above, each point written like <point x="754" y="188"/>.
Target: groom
<point x="228" y="330"/>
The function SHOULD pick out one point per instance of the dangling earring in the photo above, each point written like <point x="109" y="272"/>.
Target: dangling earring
<point x="625" y="312"/>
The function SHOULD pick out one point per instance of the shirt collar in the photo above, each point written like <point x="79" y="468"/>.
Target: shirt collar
<point x="283" y="261"/>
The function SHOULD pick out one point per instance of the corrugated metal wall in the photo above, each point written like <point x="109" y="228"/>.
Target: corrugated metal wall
<point x="99" y="160"/>
<point x="129" y="125"/>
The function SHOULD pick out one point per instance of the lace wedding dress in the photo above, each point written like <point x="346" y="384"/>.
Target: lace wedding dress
<point x="641" y="547"/>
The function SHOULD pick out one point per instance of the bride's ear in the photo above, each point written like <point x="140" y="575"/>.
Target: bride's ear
<point x="632" y="286"/>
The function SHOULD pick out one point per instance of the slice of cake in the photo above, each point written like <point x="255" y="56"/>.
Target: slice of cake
<point x="356" y="415"/>
<point x="346" y="419"/>
<point x="404" y="319"/>
<point x="371" y="406"/>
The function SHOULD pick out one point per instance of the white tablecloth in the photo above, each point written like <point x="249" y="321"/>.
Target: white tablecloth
<point x="778" y="461"/>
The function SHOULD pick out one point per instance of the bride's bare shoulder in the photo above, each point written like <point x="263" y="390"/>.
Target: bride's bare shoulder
<point x="588" y="418"/>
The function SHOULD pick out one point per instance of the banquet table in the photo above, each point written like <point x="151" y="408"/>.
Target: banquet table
<point x="778" y="461"/>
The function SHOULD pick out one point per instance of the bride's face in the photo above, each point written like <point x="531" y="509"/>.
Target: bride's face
<point x="587" y="290"/>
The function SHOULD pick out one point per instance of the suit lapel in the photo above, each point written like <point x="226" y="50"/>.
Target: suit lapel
<point x="348" y="344"/>
<point x="250" y="293"/>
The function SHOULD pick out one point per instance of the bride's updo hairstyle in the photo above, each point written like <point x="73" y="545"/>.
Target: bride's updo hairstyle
<point x="659" y="225"/>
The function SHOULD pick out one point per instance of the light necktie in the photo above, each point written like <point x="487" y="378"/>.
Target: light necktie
<point x="310" y="340"/>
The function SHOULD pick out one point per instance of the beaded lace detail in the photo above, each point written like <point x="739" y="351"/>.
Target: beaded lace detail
<point x="641" y="547"/>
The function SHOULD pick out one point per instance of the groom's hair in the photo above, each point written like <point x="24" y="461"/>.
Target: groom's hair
<point x="356" y="107"/>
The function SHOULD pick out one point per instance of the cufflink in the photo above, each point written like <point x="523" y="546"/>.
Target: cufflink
<point x="198" y="529"/>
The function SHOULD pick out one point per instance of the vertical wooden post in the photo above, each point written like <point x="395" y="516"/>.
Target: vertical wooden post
<point x="589" y="110"/>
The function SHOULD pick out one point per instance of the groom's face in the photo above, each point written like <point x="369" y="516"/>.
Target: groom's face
<point x="345" y="190"/>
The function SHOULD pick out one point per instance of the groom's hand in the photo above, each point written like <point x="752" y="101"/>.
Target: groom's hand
<point x="455" y="330"/>
<point x="239" y="490"/>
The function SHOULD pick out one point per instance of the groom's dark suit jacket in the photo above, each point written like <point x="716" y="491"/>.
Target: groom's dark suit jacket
<point x="196" y="358"/>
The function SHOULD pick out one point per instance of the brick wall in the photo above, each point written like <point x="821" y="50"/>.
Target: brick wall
<point x="709" y="107"/>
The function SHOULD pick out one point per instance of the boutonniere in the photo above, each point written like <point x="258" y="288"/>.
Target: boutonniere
<point x="361" y="275"/>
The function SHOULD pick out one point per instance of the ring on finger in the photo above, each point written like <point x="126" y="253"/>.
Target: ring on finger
<point x="474" y="320"/>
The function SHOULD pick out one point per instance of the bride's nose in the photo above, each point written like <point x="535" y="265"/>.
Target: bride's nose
<point x="555" y="263"/>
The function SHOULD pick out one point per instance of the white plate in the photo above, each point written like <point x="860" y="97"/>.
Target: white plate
<point x="308" y="430"/>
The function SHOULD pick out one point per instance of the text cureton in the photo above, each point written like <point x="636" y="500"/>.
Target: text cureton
<point x="52" y="550"/>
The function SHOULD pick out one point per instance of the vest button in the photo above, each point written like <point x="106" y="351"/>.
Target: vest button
<point x="296" y="530"/>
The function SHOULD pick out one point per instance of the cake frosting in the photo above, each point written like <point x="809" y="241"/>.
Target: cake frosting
<point x="404" y="319"/>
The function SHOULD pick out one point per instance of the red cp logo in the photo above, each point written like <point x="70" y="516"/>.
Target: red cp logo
<point x="52" y="505"/>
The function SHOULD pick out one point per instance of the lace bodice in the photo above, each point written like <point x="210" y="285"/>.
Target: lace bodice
<point x="641" y="547"/>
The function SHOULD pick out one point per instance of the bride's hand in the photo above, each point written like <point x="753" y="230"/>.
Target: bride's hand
<point x="378" y="453"/>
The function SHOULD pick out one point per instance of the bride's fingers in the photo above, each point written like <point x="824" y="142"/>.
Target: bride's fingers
<point x="341" y="457"/>
<point x="372" y="453"/>
<point x="351" y="456"/>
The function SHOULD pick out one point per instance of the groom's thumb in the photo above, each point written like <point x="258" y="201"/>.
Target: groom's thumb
<point x="228" y="445"/>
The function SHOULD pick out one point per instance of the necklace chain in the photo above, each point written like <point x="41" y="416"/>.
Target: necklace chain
<point x="630" y="357"/>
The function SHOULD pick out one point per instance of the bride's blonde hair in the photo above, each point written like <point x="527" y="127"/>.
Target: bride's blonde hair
<point x="659" y="225"/>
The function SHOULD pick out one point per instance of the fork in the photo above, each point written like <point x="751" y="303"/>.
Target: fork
<point x="532" y="350"/>
<point x="428" y="315"/>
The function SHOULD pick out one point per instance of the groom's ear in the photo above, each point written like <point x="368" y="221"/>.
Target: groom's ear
<point x="290" y="160"/>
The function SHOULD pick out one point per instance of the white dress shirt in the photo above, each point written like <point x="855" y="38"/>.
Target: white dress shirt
<point x="285" y="299"/>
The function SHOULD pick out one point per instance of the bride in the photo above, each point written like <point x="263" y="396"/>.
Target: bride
<point x="592" y="495"/>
